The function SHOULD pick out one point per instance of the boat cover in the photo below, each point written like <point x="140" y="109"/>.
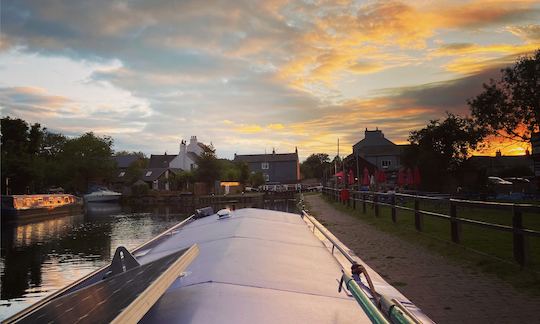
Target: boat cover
<point x="257" y="266"/>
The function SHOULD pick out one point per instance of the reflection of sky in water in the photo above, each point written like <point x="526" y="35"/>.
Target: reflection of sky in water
<point x="41" y="257"/>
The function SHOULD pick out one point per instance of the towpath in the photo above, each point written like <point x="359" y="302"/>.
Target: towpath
<point x="445" y="291"/>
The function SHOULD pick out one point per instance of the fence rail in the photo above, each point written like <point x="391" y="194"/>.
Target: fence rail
<point x="376" y="199"/>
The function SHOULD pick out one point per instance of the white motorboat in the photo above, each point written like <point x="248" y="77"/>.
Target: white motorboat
<point x="102" y="195"/>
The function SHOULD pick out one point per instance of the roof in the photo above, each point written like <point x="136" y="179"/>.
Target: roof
<point x="252" y="269"/>
<point x="193" y="156"/>
<point x="124" y="161"/>
<point x="280" y="157"/>
<point x="160" y="161"/>
<point x="503" y="161"/>
<point x="151" y="174"/>
<point x="379" y="150"/>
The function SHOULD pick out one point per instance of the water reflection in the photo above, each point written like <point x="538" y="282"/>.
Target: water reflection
<point x="39" y="258"/>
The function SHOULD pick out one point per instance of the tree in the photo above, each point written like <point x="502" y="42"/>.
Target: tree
<point x="314" y="165"/>
<point x="512" y="103"/>
<point x="243" y="168"/>
<point x="441" y="147"/>
<point x="87" y="159"/>
<point x="256" y="179"/>
<point x="135" y="170"/>
<point x="208" y="166"/>
<point x="20" y="146"/>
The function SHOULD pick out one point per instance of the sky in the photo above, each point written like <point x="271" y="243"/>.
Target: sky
<point x="250" y="76"/>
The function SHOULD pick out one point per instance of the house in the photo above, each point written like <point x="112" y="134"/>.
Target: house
<point x="162" y="167"/>
<point x="277" y="168"/>
<point x="158" y="178"/>
<point x="379" y="151"/>
<point x="504" y="166"/>
<point x="122" y="164"/>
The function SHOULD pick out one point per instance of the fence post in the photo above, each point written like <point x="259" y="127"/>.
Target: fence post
<point x="418" y="221"/>
<point x="393" y="202"/>
<point x="455" y="226"/>
<point x="364" y="203"/>
<point x="376" y="203"/>
<point x="348" y="199"/>
<point x="519" y="239"/>
<point x="353" y="196"/>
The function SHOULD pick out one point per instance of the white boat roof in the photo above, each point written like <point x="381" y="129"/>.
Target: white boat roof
<point x="258" y="266"/>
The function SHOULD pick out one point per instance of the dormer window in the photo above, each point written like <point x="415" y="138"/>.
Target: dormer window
<point x="265" y="166"/>
<point x="121" y="174"/>
<point x="148" y="173"/>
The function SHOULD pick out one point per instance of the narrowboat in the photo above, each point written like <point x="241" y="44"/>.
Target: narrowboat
<point x="234" y="266"/>
<point x="29" y="207"/>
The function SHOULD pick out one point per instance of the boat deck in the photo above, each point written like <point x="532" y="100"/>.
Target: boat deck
<point x="256" y="266"/>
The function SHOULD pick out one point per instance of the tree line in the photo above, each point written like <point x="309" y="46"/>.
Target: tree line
<point x="35" y="160"/>
<point x="508" y="107"/>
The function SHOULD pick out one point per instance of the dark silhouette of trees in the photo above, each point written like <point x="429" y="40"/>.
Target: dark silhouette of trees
<point x="314" y="165"/>
<point x="440" y="148"/>
<point x="35" y="159"/>
<point x="512" y="101"/>
<point x="208" y="167"/>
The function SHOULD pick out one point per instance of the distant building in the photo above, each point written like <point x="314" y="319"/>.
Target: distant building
<point x="122" y="164"/>
<point x="379" y="151"/>
<point x="160" y="166"/>
<point x="277" y="168"/>
<point x="507" y="166"/>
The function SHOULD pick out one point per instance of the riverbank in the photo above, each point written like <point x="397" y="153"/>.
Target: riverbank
<point x="448" y="288"/>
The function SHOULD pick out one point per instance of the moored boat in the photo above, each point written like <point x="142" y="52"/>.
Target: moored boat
<point x="27" y="207"/>
<point x="102" y="195"/>
<point x="253" y="265"/>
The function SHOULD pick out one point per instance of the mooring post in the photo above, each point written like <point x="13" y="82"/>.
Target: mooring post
<point x="393" y="202"/>
<point x="364" y="203"/>
<point x="376" y="204"/>
<point x="418" y="221"/>
<point x="519" y="239"/>
<point x="455" y="226"/>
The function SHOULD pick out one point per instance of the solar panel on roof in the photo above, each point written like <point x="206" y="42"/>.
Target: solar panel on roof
<point x="123" y="297"/>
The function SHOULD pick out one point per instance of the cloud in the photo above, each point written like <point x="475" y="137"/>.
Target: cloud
<point x="273" y="70"/>
<point x="529" y="33"/>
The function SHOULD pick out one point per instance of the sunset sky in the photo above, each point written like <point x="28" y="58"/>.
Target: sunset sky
<point x="251" y="76"/>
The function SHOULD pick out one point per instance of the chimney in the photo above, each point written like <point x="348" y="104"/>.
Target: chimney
<point x="183" y="147"/>
<point x="193" y="140"/>
<point x="498" y="153"/>
<point x="296" y="149"/>
<point x="273" y="150"/>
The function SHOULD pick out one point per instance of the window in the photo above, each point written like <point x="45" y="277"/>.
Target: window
<point x="265" y="166"/>
<point x="386" y="163"/>
<point x="121" y="174"/>
<point x="148" y="173"/>
<point x="266" y="177"/>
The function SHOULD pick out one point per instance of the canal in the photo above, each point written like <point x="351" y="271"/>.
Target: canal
<point x="39" y="258"/>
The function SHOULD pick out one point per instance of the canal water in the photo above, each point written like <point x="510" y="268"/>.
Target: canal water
<point x="39" y="258"/>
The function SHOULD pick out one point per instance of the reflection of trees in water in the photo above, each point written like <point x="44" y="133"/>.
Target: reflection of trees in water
<point x="25" y="248"/>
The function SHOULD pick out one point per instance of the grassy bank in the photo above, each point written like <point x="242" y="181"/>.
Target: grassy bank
<point x="482" y="249"/>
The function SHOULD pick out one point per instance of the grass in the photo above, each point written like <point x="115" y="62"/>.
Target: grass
<point x="486" y="250"/>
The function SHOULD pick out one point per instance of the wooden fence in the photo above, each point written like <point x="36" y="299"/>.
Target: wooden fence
<point x="377" y="199"/>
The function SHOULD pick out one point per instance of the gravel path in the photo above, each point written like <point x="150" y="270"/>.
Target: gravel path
<point x="445" y="291"/>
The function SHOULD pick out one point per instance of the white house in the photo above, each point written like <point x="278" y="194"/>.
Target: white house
<point x="187" y="157"/>
<point x="160" y="166"/>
